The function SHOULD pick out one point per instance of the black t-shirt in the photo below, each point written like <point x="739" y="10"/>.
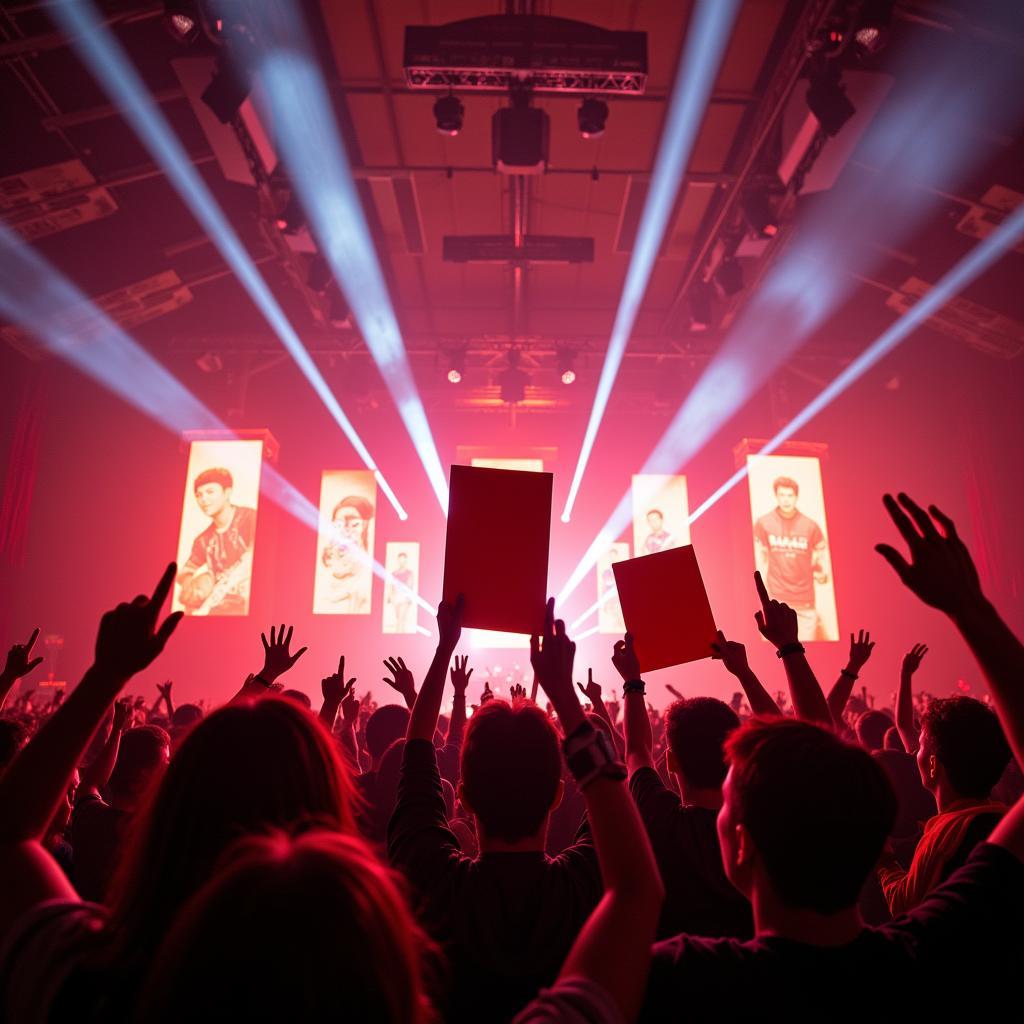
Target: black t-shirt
<point x="962" y="946"/>
<point x="97" y="837"/>
<point x="699" y="899"/>
<point x="506" y="920"/>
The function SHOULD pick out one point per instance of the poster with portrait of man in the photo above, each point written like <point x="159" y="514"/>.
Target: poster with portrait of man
<point x="661" y="513"/>
<point x="402" y="561"/>
<point x="791" y="548"/>
<point x="609" y="611"/>
<point x="218" y="528"/>
<point x="343" y="583"/>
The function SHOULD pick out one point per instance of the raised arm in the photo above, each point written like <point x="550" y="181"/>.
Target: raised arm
<point x="457" y="720"/>
<point x="592" y="691"/>
<point x="639" y="737"/>
<point x="37" y="780"/>
<point x="97" y="774"/>
<point x="335" y="690"/>
<point x="19" y="663"/>
<point x="165" y="695"/>
<point x="942" y="574"/>
<point x="427" y="705"/>
<point x="778" y="625"/>
<point x="733" y="655"/>
<point x="861" y="647"/>
<point x="905" y="723"/>
<point x="633" y="893"/>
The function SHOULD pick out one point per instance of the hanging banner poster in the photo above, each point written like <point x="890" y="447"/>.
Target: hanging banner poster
<point x="218" y="528"/>
<point x="791" y="549"/>
<point x="661" y="513"/>
<point x="402" y="561"/>
<point x="609" y="611"/>
<point x="344" y="561"/>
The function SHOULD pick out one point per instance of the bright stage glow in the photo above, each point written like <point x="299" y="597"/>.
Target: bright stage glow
<point x="916" y="138"/>
<point x="586" y="633"/>
<point x="708" y="33"/>
<point x="295" y="95"/>
<point x="101" y="52"/>
<point x="595" y="607"/>
<point x="41" y="301"/>
<point x="975" y="263"/>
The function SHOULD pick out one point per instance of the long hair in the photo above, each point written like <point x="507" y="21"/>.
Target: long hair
<point x="307" y="928"/>
<point x="244" y="769"/>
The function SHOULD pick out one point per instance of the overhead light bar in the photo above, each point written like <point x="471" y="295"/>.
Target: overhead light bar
<point x="303" y="122"/>
<point x="104" y="56"/>
<point x="709" y="31"/>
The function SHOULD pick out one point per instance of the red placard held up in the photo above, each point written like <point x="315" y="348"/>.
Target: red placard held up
<point x="665" y="607"/>
<point x="496" y="551"/>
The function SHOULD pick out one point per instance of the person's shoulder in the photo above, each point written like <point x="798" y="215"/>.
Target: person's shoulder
<point x="571" y="1001"/>
<point x="686" y="951"/>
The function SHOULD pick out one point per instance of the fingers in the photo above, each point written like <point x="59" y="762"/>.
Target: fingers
<point x="549" y="617"/>
<point x="590" y="677"/>
<point x="469" y="675"/>
<point x="263" y="637"/>
<point x="167" y="627"/>
<point x="32" y="664"/>
<point x="923" y="520"/>
<point x="560" y="628"/>
<point x="341" y="665"/>
<point x="288" y="638"/>
<point x="298" y="654"/>
<point x="583" y="689"/>
<point x="163" y="588"/>
<point x="899" y="517"/>
<point x="140" y="601"/>
<point x="759" y="619"/>
<point x="280" y="635"/>
<point x="402" y="665"/>
<point x="945" y="522"/>
<point x="762" y="591"/>
<point x="273" y="636"/>
<point x="895" y="559"/>
<point x="32" y="640"/>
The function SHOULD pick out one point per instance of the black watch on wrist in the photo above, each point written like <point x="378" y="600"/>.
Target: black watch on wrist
<point x="793" y="648"/>
<point x="634" y="686"/>
<point x="590" y="755"/>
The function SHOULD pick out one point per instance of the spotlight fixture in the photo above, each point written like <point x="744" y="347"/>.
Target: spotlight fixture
<point x="566" y="365"/>
<point x="456" y="365"/>
<point x="757" y="208"/>
<point x="513" y="381"/>
<point x="448" y="114"/>
<point x="729" y="276"/>
<point x="591" y="116"/>
<point x="181" y="21"/>
<point x="291" y="217"/>
<point x="828" y="101"/>
<point x="873" y="30"/>
<point x="699" y="297"/>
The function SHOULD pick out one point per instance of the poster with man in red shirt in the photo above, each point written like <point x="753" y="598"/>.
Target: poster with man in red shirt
<point x="791" y="542"/>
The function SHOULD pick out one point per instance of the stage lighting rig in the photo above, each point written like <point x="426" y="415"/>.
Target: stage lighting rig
<point x="567" y="365"/>
<point x="729" y="276"/>
<point x="700" y="299"/>
<point x="513" y="380"/>
<point x="591" y="116"/>
<point x="828" y="101"/>
<point x="760" y="212"/>
<point x="448" y="114"/>
<point x="873" y="25"/>
<point x="520" y="135"/>
<point x="181" y="19"/>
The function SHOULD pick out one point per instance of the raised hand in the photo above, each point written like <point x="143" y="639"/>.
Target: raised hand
<point x="776" y="620"/>
<point x="940" y="571"/>
<point x="592" y="691"/>
<point x="486" y="695"/>
<point x="334" y="687"/>
<point x="129" y="638"/>
<point x="517" y="692"/>
<point x="350" y="705"/>
<point x="460" y="677"/>
<point x="122" y="713"/>
<point x="277" y="659"/>
<point x="164" y="689"/>
<point x="912" y="659"/>
<point x="731" y="653"/>
<point x="552" y="656"/>
<point x="861" y="647"/>
<point x="624" y="658"/>
<point x="18" y="663"/>
<point x="449" y="623"/>
<point x="401" y="680"/>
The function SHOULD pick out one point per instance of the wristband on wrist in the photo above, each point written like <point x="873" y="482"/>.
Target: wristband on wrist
<point x="848" y="674"/>
<point x="634" y="686"/>
<point x="590" y="755"/>
<point x="793" y="648"/>
<point x="260" y="679"/>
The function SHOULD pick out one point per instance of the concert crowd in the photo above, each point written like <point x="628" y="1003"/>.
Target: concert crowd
<point x="564" y="855"/>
